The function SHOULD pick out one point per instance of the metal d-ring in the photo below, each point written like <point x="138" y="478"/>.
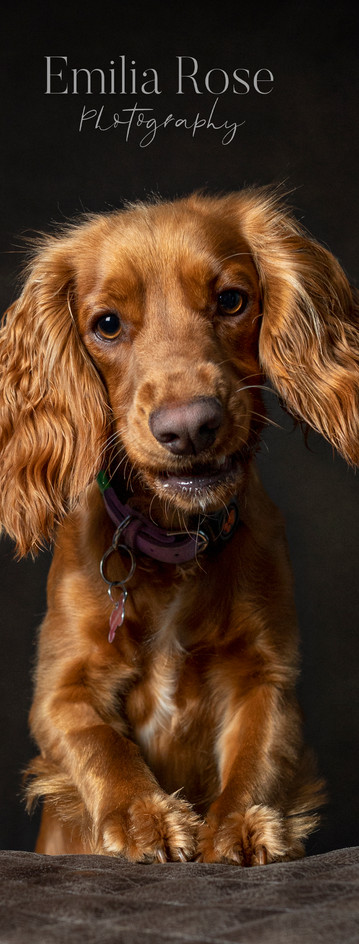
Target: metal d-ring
<point x="124" y="595"/>
<point x="195" y="535"/>
<point x="116" y="547"/>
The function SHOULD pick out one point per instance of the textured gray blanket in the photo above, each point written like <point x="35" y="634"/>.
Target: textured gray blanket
<point x="88" y="899"/>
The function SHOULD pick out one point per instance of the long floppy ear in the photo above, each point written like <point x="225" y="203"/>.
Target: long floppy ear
<point x="52" y="402"/>
<point x="309" y="340"/>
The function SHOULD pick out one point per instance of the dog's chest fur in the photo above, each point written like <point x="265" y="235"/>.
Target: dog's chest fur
<point x="172" y="712"/>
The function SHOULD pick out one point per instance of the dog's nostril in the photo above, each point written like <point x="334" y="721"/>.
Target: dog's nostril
<point x="166" y="438"/>
<point x="187" y="428"/>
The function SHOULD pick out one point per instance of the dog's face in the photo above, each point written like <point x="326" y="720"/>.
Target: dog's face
<point x="170" y="316"/>
<point x="144" y="334"/>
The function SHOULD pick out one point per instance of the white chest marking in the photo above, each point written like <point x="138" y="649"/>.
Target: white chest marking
<point x="163" y="686"/>
<point x="163" y="682"/>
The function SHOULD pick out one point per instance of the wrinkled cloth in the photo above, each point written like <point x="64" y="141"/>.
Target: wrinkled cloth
<point x="88" y="899"/>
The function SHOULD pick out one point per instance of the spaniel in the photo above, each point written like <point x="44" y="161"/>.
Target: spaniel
<point x="130" y="411"/>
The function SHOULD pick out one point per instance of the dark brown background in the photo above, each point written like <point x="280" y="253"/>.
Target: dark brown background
<point x="304" y="134"/>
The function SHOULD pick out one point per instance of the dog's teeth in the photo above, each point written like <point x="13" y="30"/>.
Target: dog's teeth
<point x="221" y="461"/>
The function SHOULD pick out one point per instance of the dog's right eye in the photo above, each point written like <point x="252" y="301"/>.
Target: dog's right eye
<point x="108" y="327"/>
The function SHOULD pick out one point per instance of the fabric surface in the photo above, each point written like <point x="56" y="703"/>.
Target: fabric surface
<point x="89" y="899"/>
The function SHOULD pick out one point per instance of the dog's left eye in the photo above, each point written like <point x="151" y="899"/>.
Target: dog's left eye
<point x="232" y="301"/>
<point x="108" y="327"/>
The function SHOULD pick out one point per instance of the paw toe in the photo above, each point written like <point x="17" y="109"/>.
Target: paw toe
<point x="154" y="828"/>
<point x="254" y="837"/>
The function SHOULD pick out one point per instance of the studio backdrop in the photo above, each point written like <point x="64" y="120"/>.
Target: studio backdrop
<point x="123" y="102"/>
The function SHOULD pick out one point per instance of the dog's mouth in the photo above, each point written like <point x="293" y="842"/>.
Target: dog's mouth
<point x="200" y="480"/>
<point x="198" y="477"/>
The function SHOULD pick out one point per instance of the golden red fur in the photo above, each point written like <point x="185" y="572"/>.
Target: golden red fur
<point x="182" y="739"/>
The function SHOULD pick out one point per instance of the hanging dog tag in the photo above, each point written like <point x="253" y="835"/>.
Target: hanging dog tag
<point x="117" y="616"/>
<point x="118" y="613"/>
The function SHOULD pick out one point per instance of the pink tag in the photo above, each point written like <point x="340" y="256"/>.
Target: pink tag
<point x="117" y="616"/>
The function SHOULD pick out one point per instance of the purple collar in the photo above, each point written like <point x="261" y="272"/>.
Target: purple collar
<point x="142" y="536"/>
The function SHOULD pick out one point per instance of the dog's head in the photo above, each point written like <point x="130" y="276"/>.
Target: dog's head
<point x="143" y="337"/>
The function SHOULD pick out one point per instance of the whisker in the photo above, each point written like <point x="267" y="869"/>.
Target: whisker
<point x="255" y="374"/>
<point x="256" y="387"/>
<point x="241" y="426"/>
<point x="110" y="442"/>
<point x="235" y="255"/>
<point x="150" y="510"/>
<point x="125" y="460"/>
<point x="267" y="419"/>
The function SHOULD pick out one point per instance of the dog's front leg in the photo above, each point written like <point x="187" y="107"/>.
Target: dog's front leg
<point x="92" y="776"/>
<point x="262" y="813"/>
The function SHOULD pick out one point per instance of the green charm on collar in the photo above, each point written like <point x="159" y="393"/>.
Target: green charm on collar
<point x="102" y="481"/>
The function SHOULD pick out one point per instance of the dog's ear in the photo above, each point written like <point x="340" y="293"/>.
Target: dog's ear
<point x="53" y="412"/>
<point x="309" y="340"/>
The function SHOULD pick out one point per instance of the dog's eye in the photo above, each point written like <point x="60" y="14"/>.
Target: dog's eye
<point x="232" y="301"/>
<point x="108" y="327"/>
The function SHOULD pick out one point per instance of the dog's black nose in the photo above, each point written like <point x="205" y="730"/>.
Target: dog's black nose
<point x="187" y="428"/>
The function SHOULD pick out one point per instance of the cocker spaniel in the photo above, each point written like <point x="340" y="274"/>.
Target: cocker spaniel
<point x="130" y="410"/>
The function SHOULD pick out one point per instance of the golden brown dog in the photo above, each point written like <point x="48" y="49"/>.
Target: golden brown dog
<point x="137" y="349"/>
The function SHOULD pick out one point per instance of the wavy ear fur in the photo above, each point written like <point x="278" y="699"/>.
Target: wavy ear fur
<point x="309" y="341"/>
<point x="53" y="413"/>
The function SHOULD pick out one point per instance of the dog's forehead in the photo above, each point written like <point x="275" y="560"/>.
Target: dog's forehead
<point x="170" y="242"/>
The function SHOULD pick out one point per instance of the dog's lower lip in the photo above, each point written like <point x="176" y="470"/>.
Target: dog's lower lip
<point x="198" y="479"/>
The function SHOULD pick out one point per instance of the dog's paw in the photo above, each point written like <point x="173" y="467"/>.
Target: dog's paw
<point x="254" y="837"/>
<point x="152" y="828"/>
